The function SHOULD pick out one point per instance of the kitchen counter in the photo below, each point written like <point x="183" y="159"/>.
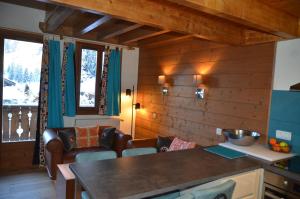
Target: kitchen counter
<point x="150" y="175"/>
<point x="259" y="151"/>
<point x="266" y="157"/>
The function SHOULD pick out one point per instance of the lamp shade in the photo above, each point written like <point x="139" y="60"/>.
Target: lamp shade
<point x="161" y="79"/>
<point x="128" y="92"/>
<point x="197" y="79"/>
<point x="137" y="106"/>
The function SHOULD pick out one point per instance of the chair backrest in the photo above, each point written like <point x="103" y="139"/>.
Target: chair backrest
<point x="138" y="151"/>
<point x="220" y="191"/>
<point x="94" y="156"/>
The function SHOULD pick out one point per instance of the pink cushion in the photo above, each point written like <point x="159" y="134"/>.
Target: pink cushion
<point x="178" y="144"/>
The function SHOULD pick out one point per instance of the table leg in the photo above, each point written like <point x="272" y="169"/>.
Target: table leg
<point x="78" y="189"/>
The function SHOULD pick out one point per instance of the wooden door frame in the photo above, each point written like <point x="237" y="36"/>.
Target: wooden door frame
<point x="23" y="36"/>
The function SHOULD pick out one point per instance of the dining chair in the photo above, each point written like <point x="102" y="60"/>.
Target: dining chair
<point x="219" y="191"/>
<point x="93" y="156"/>
<point x="138" y="151"/>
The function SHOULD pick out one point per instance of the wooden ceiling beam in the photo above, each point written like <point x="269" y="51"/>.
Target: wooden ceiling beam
<point x="253" y="37"/>
<point x="69" y="32"/>
<point x="252" y="13"/>
<point x="166" y="41"/>
<point x="121" y="31"/>
<point x="94" y="25"/>
<point x="163" y="15"/>
<point x="140" y="35"/>
<point x="55" y="18"/>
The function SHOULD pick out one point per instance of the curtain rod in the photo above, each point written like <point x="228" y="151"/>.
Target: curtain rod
<point x="68" y="37"/>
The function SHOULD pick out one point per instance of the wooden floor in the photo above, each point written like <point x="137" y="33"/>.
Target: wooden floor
<point x="27" y="185"/>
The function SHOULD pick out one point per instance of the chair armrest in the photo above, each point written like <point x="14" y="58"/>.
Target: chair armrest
<point x="54" y="150"/>
<point x="120" y="143"/>
<point x="52" y="141"/>
<point x="139" y="143"/>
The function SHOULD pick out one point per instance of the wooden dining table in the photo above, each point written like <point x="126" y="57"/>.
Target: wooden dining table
<point x="152" y="175"/>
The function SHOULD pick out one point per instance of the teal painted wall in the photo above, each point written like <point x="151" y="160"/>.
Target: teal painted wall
<point x="285" y="116"/>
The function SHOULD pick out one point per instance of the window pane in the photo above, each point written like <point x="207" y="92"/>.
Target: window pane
<point x="21" y="72"/>
<point x="88" y="78"/>
<point x="21" y="86"/>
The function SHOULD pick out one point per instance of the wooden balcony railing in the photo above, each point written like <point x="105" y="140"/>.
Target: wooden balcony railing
<point x="19" y="123"/>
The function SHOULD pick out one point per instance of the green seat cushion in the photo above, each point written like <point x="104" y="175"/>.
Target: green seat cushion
<point x="94" y="156"/>
<point x="84" y="195"/>
<point x="219" y="191"/>
<point x="138" y="151"/>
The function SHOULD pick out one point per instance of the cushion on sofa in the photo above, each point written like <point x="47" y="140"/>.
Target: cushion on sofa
<point x="178" y="144"/>
<point x="69" y="157"/>
<point x="107" y="138"/>
<point x="68" y="138"/>
<point x="87" y="136"/>
<point x="163" y="143"/>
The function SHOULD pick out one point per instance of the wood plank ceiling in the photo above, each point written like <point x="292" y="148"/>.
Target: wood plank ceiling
<point x="149" y="22"/>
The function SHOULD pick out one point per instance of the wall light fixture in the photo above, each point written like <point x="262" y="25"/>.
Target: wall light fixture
<point x="200" y="91"/>
<point x="162" y="81"/>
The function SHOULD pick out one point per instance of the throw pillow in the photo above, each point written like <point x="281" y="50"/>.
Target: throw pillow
<point x="107" y="138"/>
<point x="163" y="143"/>
<point x="68" y="138"/>
<point x="178" y="144"/>
<point x="87" y="136"/>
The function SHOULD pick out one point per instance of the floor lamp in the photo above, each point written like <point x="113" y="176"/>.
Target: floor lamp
<point x="136" y="106"/>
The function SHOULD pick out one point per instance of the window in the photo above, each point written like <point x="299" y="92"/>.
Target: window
<point x="88" y="73"/>
<point x="21" y="73"/>
<point x="21" y="69"/>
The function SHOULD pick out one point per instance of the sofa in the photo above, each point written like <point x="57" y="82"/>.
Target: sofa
<point x="162" y="144"/>
<point x="140" y="143"/>
<point x="55" y="152"/>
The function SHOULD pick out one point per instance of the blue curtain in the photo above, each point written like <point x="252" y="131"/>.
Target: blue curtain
<point x="55" y="118"/>
<point x="70" y="104"/>
<point x="114" y="83"/>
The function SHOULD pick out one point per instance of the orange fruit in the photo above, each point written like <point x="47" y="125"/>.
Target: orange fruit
<point x="285" y="149"/>
<point x="272" y="141"/>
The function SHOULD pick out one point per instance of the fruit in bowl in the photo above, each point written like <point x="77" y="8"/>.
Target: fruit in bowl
<point x="279" y="146"/>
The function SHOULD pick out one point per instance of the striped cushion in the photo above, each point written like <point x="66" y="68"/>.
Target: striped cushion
<point x="87" y="137"/>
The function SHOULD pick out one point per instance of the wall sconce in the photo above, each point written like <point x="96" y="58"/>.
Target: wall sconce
<point x="162" y="81"/>
<point x="137" y="106"/>
<point x="128" y="92"/>
<point x="199" y="93"/>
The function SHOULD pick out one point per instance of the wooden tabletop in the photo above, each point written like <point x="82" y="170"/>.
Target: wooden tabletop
<point x="149" y="175"/>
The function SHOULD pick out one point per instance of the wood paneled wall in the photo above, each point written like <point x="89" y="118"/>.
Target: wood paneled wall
<point x="16" y="156"/>
<point x="237" y="81"/>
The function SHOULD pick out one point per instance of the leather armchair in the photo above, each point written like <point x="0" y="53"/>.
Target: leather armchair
<point x="55" y="154"/>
